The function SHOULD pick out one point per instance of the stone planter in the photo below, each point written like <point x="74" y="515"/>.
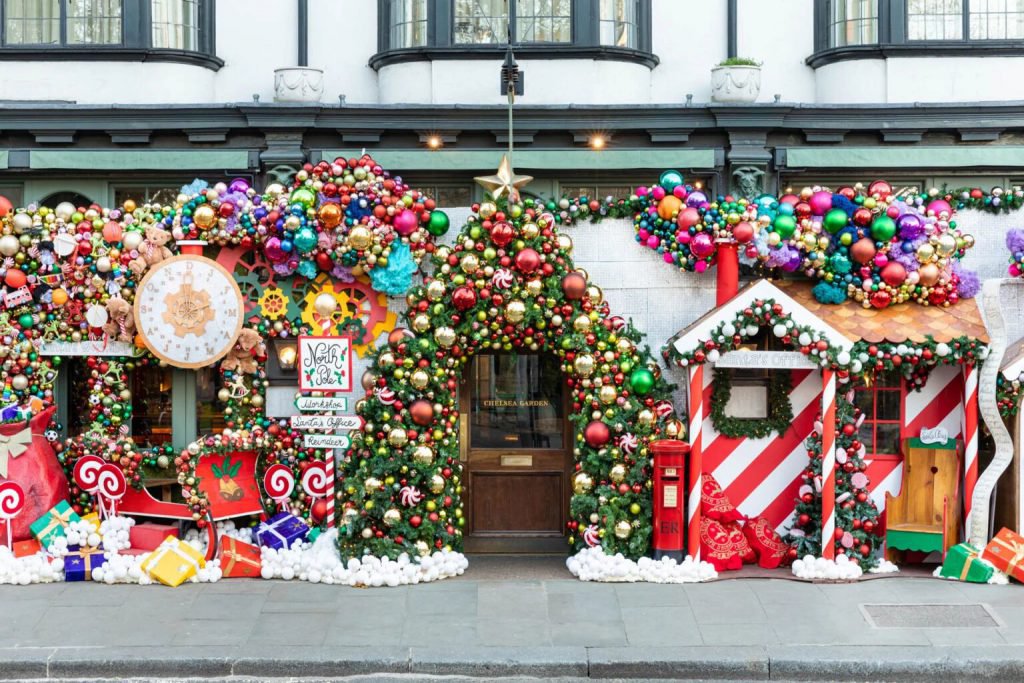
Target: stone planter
<point x="298" y="84"/>
<point x="735" y="84"/>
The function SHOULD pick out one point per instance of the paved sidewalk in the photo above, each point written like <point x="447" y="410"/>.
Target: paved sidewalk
<point x="539" y="623"/>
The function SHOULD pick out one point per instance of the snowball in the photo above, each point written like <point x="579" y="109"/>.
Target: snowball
<point x="820" y="568"/>
<point x="593" y="564"/>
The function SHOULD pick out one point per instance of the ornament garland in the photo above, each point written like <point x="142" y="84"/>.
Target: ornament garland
<point x="780" y="409"/>
<point x="1015" y="245"/>
<point x="507" y="284"/>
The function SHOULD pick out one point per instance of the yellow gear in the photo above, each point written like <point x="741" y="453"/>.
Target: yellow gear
<point x="273" y="303"/>
<point x="355" y="300"/>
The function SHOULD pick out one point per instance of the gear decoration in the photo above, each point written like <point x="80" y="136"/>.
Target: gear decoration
<point x="356" y="301"/>
<point x="188" y="310"/>
<point x="273" y="303"/>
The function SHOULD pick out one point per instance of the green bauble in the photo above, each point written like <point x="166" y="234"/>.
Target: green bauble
<point x="883" y="228"/>
<point x="305" y="240"/>
<point x="25" y="321"/>
<point x="303" y="196"/>
<point x="835" y="220"/>
<point x="670" y="180"/>
<point x="641" y="381"/>
<point x="438" y="224"/>
<point x="784" y="224"/>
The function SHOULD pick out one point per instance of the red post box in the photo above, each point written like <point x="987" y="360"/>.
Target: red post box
<point x="669" y="498"/>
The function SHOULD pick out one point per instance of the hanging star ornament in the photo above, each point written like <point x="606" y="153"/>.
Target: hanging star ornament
<point x="504" y="182"/>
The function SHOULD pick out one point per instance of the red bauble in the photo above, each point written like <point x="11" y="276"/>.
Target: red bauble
<point x="422" y="412"/>
<point x="5" y="206"/>
<point x="527" y="261"/>
<point x="15" y="278"/>
<point x="502" y="233"/>
<point x="743" y="232"/>
<point x="464" y="298"/>
<point x="575" y="286"/>
<point x="596" y="434"/>
<point x="398" y="335"/>
<point x="319" y="510"/>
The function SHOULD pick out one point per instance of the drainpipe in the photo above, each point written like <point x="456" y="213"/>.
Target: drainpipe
<point x="731" y="36"/>
<point x="303" y="33"/>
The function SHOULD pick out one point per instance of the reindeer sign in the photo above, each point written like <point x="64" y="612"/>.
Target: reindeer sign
<point x="325" y="364"/>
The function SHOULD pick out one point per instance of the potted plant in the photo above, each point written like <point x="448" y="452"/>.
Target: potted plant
<point x="736" y="80"/>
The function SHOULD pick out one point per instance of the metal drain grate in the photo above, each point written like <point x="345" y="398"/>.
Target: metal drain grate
<point x="930" y="616"/>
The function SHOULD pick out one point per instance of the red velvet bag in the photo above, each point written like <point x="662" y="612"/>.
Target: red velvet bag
<point x="714" y="503"/>
<point x="769" y="546"/>
<point x="27" y="458"/>
<point x="723" y="544"/>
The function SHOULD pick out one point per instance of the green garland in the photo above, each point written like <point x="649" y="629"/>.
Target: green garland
<point x="780" y="415"/>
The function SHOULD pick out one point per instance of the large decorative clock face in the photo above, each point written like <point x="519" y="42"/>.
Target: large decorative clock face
<point x="189" y="311"/>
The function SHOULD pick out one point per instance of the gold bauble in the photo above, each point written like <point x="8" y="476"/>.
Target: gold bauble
<point x="928" y="274"/>
<point x="945" y="245"/>
<point x="421" y="323"/>
<point x="674" y="429"/>
<point x="325" y="304"/>
<point x="349" y="515"/>
<point x="386" y="360"/>
<point x="583" y="273"/>
<point x="530" y="230"/>
<point x="204" y="216"/>
<point x="368" y="380"/>
<point x="435" y="290"/>
<point x="223" y="395"/>
<point x="256" y="400"/>
<point x="584" y="365"/>
<point x="397" y="437"/>
<point x="469" y="263"/>
<point x="360" y="237"/>
<point x="422" y="548"/>
<point x="436" y="483"/>
<point x="617" y="473"/>
<point x="420" y="379"/>
<point x="925" y="253"/>
<point x="595" y="295"/>
<point x="968" y="241"/>
<point x="608" y="394"/>
<point x="534" y="287"/>
<point x="515" y="311"/>
<point x="445" y="336"/>
<point x="624" y="346"/>
<point x="646" y="417"/>
<point x="392" y="517"/>
<point x="582" y="324"/>
<point x="582" y="483"/>
<point x="423" y="455"/>
<point x="488" y="209"/>
<point x="372" y="484"/>
<point x="623" y="529"/>
<point x="19" y="382"/>
<point x="565" y="243"/>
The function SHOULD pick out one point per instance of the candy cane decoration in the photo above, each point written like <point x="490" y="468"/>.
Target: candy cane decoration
<point x="111" y="486"/>
<point x="970" y="432"/>
<point x="332" y="480"/>
<point x="12" y="500"/>
<point x="314" y="480"/>
<point x="591" y="536"/>
<point x="696" y="421"/>
<point x="828" y="464"/>
<point x="86" y="473"/>
<point x="278" y="482"/>
<point x="410" y="496"/>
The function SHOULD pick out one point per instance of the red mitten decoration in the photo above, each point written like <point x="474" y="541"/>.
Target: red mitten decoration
<point x="713" y="502"/>
<point x="771" y="550"/>
<point x="38" y="472"/>
<point x="723" y="544"/>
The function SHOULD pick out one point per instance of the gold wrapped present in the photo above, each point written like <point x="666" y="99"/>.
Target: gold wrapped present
<point x="174" y="562"/>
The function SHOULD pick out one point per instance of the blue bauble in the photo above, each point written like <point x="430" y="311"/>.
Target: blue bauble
<point x="670" y="180"/>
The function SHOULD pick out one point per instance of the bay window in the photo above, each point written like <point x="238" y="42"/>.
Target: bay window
<point x="619" y="20"/>
<point x="853" y="22"/>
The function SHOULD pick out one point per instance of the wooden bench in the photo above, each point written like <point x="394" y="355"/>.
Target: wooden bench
<point x="925" y="516"/>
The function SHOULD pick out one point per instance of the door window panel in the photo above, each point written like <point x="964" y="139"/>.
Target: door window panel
<point x="517" y="402"/>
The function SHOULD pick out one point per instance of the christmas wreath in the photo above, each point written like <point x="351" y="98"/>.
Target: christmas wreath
<point x="780" y="410"/>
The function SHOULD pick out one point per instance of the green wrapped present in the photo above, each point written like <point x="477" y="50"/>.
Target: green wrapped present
<point x="52" y="525"/>
<point x="962" y="563"/>
<point x="314" y="534"/>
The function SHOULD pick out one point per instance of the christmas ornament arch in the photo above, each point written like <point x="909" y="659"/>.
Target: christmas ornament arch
<point x="507" y="284"/>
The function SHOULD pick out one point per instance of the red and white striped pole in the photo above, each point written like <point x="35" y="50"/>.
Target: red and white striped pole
<point x="696" y="420"/>
<point x="828" y="464"/>
<point x="332" y="489"/>
<point x="970" y="433"/>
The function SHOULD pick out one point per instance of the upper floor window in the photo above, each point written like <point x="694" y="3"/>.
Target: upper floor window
<point x="619" y="19"/>
<point x="176" y="24"/>
<point x="853" y="22"/>
<point x="479" y="22"/>
<point x="996" y="19"/>
<point x="408" y="23"/>
<point x="62" y="22"/>
<point x="935" y="19"/>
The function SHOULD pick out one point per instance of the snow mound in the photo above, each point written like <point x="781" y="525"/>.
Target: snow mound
<point x="810" y="567"/>
<point x="884" y="566"/>
<point x="22" y="571"/>
<point x="593" y="564"/>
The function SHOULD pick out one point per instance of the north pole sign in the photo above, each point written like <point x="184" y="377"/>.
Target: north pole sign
<point x="325" y="364"/>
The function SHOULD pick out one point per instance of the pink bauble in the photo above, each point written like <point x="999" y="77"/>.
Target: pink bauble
<point x="667" y="256"/>
<point x="821" y="202"/>
<point x="653" y="241"/>
<point x="683" y="237"/>
<point x="700" y="266"/>
<point x="658" y="193"/>
<point x="894" y="274"/>
<point x="881" y="260"/>
<point x="1014" y="270"/>
<point x="273" y="250"/>
<point x="790" y="199"/>
<point x="406" y="222"/>
<point x="679" y="191"/>
<point x="643" y="234"/>
<point x="702" y="245"/>
<point x="939" y="207"/>
<point x="688" y="218"/>
<point x="641" y="191"/>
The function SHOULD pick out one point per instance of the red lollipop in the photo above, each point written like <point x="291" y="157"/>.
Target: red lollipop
<point x="278" y="482"/>
<point x="87" y="471"/>
<point x="12" y="500"/>
<point x="315" y="481"/>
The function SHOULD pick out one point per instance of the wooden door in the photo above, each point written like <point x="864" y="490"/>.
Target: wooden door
<point x="517" y="452"/>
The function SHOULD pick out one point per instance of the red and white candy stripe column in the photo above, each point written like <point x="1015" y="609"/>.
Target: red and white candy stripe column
<point x="828" y="464"/>
<point x="970" y="434"/>
<point x="332" y="485"/>
<point x="696" y="420"/>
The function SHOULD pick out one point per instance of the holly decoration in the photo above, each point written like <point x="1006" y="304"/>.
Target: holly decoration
<point x="780" y="417"/>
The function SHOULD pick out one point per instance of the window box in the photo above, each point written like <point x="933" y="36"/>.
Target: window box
<point x="298" y="84"/>
<point x="735" y="84"/>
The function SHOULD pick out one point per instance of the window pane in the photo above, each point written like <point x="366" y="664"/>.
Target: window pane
<point x="479" y="22"/>
<point x="453" y="196"/>
<point x="854" y="22"/>
<point x="209" y="411"/>
<point x="935" y="20"/>
<point x="164" y="196"/>
<point x="618" y="23"/>
<point x="32" y="22"/>
<point x="864" y="400"/>
<point x="543" y="21"/>
<point x="887" y="405"/>
<point x="516" y="402"/>
<point x="866" y="434"/>
<point x="887" y="439"/>
<point x="151" y="406"/>
<point x="94" y="22"/>
<point x="997" y="19"/>
<point x="176" y="24"/>
<point x="408" y="23"/>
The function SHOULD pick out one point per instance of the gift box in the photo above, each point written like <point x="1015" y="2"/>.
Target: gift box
<point x="281" y="531"/>
<point x="149" y="536"/>
<point x="133" y="552"/>
<point x="962" y="562"/>
<point x="239" y="559"/>
<point x="26" y="548"/>
<point x="1006" y="552"/>
<point x="314" y="534"/>
<point x="94" y="519"/>
<point x="79" y="564"/>
<point x="174" y="562"/>
<point x="53" y="524"/>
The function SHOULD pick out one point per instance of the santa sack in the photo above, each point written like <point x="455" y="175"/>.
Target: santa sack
<point x="27" y="459"/>
<point x="771" y="550"/>
<point x="714" y="503"/>
<point x="724" y="545"/>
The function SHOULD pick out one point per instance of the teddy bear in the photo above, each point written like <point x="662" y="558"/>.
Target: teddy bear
<point x="120" y="324"/>
<point x="151" y="251"/>
<point x="242" y="356"/>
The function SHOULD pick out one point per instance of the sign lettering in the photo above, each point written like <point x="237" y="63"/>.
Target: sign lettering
<point x="87" y="348"/>
<point x="325" y="441"/>
<point x="336" y="422"/>
<point x="934" y="435"/>
<point x="781" y="360"/>
<point x="321" y="404"/>
<point x="325" y="364"/>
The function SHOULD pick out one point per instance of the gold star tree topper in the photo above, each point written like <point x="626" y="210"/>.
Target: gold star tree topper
<point x="504" y="182"/>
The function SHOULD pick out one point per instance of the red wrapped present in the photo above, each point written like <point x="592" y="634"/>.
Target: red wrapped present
<point x="239" y="559"/>
<point x="133" y="552"/>
<point x="767" y="544"/>
<point x="714" y="503"/>
<point x="149" y="536"/>
<point x="26" y="548"/>
<point x="723" y="544"/>
<point x="1006" y="552"/>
